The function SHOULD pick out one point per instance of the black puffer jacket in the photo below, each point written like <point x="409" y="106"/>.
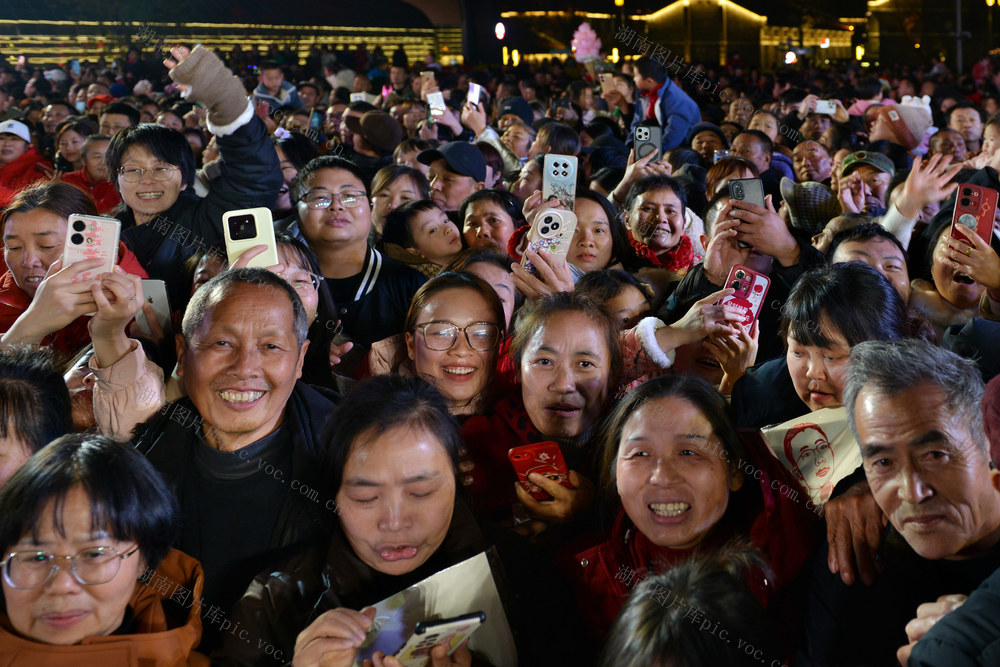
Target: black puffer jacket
<point x="250" y="178"/>
<point x="968" y="636"/>
<point x="282" y="603"/>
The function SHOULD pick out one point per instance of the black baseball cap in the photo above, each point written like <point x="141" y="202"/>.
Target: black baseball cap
<point x="462" y="157"/>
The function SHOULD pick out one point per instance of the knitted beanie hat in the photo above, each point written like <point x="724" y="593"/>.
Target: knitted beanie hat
<point x="909" y="119"/>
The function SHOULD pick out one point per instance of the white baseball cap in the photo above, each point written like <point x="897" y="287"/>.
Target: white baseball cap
<point x="16" y="128"/>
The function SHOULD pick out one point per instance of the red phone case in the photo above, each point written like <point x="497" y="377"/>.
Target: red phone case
<point x="975" y="209"/>
<point x="751" y="288"/>
<point x="545" y="458"/>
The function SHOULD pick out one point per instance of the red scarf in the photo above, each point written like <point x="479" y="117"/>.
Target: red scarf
<point x="653" y="97"/>
<point x="678" y="260"/>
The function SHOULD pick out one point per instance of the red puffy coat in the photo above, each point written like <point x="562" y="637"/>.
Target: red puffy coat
<point x="73" y="337"/>
<point x="22" y="172"/>
<point x="775" y="520"/>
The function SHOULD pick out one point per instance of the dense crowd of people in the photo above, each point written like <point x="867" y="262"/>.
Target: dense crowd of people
<point x="239" y="480"/>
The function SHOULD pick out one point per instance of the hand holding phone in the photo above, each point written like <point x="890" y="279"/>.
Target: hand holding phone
<point x="607" y="82"/>
<point x="246" y="228"/>
<point x="750" y="190"/>
<point x="452" y="632"/>
<point x="649" y="139"/>
<point x="91" y="237"/>
<point x="751" y="289"/>
<point x="475" y="90"/>
<point x="435" y="102"/>
<point x="559" y="179"/>
<point x="544" y="458"/>
<point x="551" y="230"/>
<point x="975" y="211"/>
<point x="828" y="107"/>
<point x="154" y="293"/>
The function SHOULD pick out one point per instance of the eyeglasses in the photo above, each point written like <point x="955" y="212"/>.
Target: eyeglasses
<point x="441" y="336"/>
<point x="159" y="173"/>
<point x="348" y="199"/>
<point x="93" y="566"/>
<point x="303" y="281"/>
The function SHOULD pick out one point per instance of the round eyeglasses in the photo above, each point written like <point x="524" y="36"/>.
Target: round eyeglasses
<point x="135" y="175"/>
<point x="90" y="567"/>
<point x="441" y="336"/>
<point x="347" y="199"/>
<point x="303" y="281"/>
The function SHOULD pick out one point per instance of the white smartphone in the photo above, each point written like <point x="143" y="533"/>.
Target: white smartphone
<point x="435" y="101"/>
<point x="552" y="230"/>
<point x="91" y="237"/>
<point x="474" y="91"/>
<point x="246" y="228"/>
<point x="154" y="292"/>
<point x="358" y="97"/>
<point x="826" y="106"/>
<point x="559" y="179"/>
<point x="428" y="634"/>
<point x="607" y="82"/>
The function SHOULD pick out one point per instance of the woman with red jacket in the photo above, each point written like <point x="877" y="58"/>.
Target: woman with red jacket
<point x="39" y="303"/>
<point x="687" y="483"/>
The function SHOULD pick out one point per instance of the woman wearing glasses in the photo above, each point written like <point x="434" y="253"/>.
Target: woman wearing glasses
<point x="454" y="330"/>
<point x="153" y="169"/>
<point x="83" y="525"/>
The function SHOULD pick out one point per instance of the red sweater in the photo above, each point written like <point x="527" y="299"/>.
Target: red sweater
<point x="103" y="192"/>
<point x="22" y="172"/>
<point x="75" y="336"/>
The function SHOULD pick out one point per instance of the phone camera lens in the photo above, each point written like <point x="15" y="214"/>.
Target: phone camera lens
<point x="966" y="192"/>
<point x="736" y="284"/>
<point x="741" y="274"/>
<point x="966" y="202"/>
<point x="79" y="226"/>
<point x="76" y="239"/>
<point x="90" y="240"/>
<point x="548" y="219"/>
<point x="555" y="227"/>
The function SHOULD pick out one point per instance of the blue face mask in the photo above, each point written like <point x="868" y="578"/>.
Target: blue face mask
<point x="81" y="106"/>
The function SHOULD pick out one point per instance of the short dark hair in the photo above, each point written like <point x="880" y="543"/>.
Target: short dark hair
<point x="379" y="404"/>
<point x="397" y="224"/>
<point x="165" y="144"/>
<point x="964" y="104"/>
<point x="215" y="290"/>
<point x="560" y="138"/>
<point x="652" y="628"/>
<point x="538" y="312"/>
<point x="502" y="198"/>
<point x="268" y="64"/>
<point x="93" y="139"/>
<point x="123" y="109"/>
<point x="864" y="232"/>
<point x="127" y="496"/>
<point x="606" y="284"/>
<point x="867" y="87"/>
<point x="56" y="197"/>
<point x="650" y="69"/>
<point x="34" y="401"/>
<point x="472" y="256"/>
<point x="300" y="186"/>
<point x="853" y="298"/>
<point x="690" y="388"/>
<point x="298" y="148"/>
<point x="654" y="182"/>
<point x="764" y="140"/>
